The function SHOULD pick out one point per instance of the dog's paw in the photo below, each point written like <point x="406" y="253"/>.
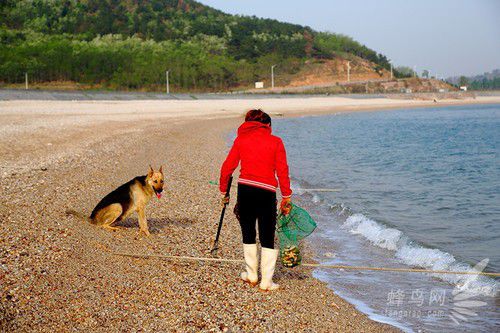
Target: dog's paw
<point x="144" y="232"/>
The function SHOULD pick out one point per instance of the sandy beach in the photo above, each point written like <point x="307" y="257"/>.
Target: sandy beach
<point x="58" y="273"/>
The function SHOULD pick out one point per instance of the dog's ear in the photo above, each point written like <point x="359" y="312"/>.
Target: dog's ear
<point x="150" y="171"/>
<point x="161" y="170"/>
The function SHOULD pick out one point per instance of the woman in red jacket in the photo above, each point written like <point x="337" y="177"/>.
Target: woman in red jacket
<point x="262" y="157"/>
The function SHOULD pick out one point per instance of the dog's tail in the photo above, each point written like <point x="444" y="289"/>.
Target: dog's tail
<point x="78" y="215"/>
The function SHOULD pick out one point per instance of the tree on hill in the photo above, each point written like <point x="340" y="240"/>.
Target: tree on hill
<point x="463" y="81"/>
<point x="404" y="71"/>
<point x="128" y="43"/>
<point x="486" y="81"/>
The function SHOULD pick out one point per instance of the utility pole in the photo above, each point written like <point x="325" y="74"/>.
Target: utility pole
<point x="348" y="71"/>
<point x="167" y="83"/>
<point x="414" y="70"/>
<point x="272" y="76"/>
<point x="392" y="76"/>
<point x="26" y="79"/>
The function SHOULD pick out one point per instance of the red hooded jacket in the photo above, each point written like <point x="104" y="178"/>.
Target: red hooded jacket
<point x="262" y="157"/>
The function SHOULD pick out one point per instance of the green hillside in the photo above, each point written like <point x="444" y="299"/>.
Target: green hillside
<point x="129" y="44"/>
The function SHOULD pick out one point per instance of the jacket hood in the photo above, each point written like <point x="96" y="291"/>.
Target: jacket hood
<point x="252" y="126"/>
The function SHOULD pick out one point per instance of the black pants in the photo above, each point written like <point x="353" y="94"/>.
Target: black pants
<point x="257" y="204"/>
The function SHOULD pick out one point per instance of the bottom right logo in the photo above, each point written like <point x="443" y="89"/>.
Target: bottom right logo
<point x="464" y="305"/>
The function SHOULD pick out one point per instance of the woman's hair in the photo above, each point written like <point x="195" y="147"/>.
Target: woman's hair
<point x="258" y="115"/>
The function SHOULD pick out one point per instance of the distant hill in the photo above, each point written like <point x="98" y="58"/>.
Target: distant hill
<point x="486" y="81"/>
<point x="129" y="44"/>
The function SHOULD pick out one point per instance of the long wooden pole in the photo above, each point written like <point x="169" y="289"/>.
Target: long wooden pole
<point x="344" y="267"/>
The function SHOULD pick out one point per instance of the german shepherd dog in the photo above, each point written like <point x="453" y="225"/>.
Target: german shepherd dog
<point x="130" y="197"/>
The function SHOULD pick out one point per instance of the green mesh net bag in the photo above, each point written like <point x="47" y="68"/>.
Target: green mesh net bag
<point x="291" y="229"/>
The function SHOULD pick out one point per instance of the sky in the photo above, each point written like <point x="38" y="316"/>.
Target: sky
<point x="446" y="37"/>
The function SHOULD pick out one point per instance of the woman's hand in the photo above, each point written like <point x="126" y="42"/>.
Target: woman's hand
<point x="286" y="206"/>
<point x="224" y="199"/>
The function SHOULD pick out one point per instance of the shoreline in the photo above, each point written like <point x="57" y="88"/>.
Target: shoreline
<point x="363" y="210"/>
<point x="69" y="154"/>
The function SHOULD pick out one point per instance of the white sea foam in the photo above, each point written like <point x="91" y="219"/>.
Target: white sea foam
<point x="296" y="188"/>
<point x="379" y="235"/>
<point x="418" y="256"/>
<point x="299" y="190"/>
<point x="409" y="252"/>
<point x="424" y="257"/>
<point x="316" y="198"/>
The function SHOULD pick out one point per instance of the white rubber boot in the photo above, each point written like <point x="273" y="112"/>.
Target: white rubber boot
<point x="252" y="263"/>
<point x="267" y="266"/>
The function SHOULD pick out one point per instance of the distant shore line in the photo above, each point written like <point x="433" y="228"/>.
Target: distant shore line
<point x="216" y="106"/>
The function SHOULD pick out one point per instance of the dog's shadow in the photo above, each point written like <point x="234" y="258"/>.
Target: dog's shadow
<point x="156" y="225"/>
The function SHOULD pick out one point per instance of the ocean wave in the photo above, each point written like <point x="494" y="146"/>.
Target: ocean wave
<point x="415" y="255"/>
<point x="386" y="238"/>
<point x="405" y="250"/>
<point x="299" y="190"/>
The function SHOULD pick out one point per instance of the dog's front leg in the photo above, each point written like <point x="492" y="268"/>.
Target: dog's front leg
<point x="143" y="223"/>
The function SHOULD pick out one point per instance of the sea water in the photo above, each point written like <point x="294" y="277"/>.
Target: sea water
<point x="416" y="188"/>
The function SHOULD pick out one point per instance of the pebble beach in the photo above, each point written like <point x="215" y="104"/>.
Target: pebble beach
<point x="60" y="274"/>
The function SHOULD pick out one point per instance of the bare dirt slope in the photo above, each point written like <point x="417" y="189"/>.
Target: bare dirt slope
<point x="332" y="71"/>
<point x="331" y="76"/>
